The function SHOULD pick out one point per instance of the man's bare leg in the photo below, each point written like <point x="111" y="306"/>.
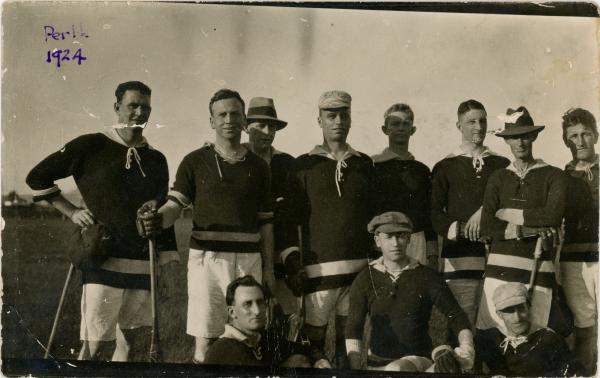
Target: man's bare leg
<point x="341" y="358"/>
<point x="132" y="344"/>
<point x="202" y="345"/>
<point x="94" y="350"/>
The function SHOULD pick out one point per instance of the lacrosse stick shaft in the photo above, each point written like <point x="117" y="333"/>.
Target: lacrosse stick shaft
<point x="59" y="310"/>
<point x="155" y="343"/>
<point x="534" y="266"/>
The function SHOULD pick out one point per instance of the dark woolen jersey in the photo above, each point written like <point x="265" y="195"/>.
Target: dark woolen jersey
<point x="281" y="166"/>
<point x="231" y="200"/>
<point x="458" y="186"/>
<point x="542" y="353"/>
<point x="541" y="195"/>
<point x="404" y="186"/>
<point x="400" y="309"/>
<point x="581" y="215"/>
<point x="332" y="201"/>
<point x="114" y="181"/>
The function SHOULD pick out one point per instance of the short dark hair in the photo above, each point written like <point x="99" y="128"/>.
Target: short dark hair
<point x="223" y="94"/>
<point x="469" y="105"/>
<point x="247" y="281"/>
<point x="132" y="86"/>
<point x="400" y="107"/>
<point x="576" y="116"/>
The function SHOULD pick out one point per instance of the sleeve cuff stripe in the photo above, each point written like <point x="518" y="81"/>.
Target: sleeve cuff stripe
<point x="265" y="215"/>
<point x="178" y="197"/>
<point x="45" y="192"/>
<point x="353" y="345"/>
<point x="288" y="251"/>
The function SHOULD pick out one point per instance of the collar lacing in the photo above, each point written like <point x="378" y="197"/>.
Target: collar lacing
<point x="132" y="153"/>
<point x="394" y="275"/>
<point x="387" y="154"/>
<point x="539" y="163"/>
<point x="339" y="175"/>
<point x="226" y="157"/>
<point x="513" y="341"/>
<point x="576" y="165"/>
<point x="478" y="161"/>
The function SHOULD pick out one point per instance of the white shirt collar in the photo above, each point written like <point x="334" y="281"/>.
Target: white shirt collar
<point x="320" y="151"/>
<point x="233" y="333"/>
<point x="461" y="152"/>
<point x="387" y="154"/>
<point x="112" y="134"/>
<point x="572" y="165"/>
<point x="539" y="163"/>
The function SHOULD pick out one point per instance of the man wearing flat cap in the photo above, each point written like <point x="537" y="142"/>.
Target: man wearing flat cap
<point x="398" y="294"/>
<point x="525" y="348"/>
<point x="523" y="209"/>
<point x="262" y="125"/>
<point x="330" y="199"/>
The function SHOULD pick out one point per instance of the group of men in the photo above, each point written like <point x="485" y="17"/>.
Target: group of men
<point x="351" y="235"/>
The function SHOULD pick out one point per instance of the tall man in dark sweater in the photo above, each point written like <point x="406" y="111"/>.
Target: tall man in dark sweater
<point x="116" y="172"/>
<point x="579" y="255"/>
<point x="232" y="218"/>
<point x="330" y="199"/>
<point x="458" y="185"/>
<point x="403" y="184"/>
<point x="398" y="294"/>
<point x="262" y="126"/>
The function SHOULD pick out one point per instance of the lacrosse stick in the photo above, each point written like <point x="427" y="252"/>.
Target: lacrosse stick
<point x="155" y="355"/>
<point x="534" y="267"/>
<point x="59" y="310"/>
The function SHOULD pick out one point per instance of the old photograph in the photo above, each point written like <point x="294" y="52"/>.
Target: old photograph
<point x="306" y="189"/>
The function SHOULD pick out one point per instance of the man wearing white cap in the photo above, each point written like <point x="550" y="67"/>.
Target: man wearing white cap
<point x="330" y="199"/>
<point x="262" y="126"/>
<point x="527" y="349"/>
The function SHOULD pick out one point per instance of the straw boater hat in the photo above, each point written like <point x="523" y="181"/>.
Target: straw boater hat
<point x="518" y="122"/>
<point x="263" y="109"/>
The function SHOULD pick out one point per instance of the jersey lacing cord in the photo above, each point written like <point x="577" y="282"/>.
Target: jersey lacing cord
<point x="478" y="164"/>
<point x="514" y="341"/>
<point x="339" y="175"/>
<point x="131" y="151"/>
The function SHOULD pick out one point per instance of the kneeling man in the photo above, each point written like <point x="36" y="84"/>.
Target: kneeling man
<point x="528" y="349"/>
<point x="398" y="293"/>
<point x="245" y="340"/>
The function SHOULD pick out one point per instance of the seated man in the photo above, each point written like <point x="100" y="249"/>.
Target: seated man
<point x="398" y="293"/>
<point x="528" y="349"/>
<point x="245" y="340"/>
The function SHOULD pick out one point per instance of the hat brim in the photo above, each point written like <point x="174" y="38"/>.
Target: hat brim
<point x="521" y="130"/>
<point x="513" y="301"/>
<point x="279" y="124"/>
<point x="392" y="227"/>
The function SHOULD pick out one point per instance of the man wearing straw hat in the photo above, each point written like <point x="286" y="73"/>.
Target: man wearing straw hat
<point x="330" y="199"/>
<point x="524" y="348"/>
<point x="232" y="232"/>
<point x="523" y="208"/>
<point x="262" y="125"/>
<point x="579" y="255"/>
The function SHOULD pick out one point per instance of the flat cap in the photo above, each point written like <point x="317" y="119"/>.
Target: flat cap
<point x="334" y="99"/>
<point x="509" y="294"/>
<point x="389" y="222"/>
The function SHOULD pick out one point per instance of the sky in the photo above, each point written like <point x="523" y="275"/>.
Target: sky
<point x="186" y="52"/>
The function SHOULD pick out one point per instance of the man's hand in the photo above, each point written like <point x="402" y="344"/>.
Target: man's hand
<point x="549" y="235"/>
<point x="445" y="362"/>
<point x="82" y="217"/>
<point x="472" y="227"/>
<point x="149" y="221"/>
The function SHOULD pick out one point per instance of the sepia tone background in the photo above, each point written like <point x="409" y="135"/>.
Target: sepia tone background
<point x="185" y="52"/>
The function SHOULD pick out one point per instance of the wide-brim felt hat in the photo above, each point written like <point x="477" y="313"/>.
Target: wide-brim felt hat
<point x="518" y="122"/>
<point x="263" y="109"/>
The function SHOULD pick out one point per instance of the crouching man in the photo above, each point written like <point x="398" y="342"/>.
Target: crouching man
<point x="398" y="294"/>
<point x="246" y="340"/>
<point x="528" y="349"/>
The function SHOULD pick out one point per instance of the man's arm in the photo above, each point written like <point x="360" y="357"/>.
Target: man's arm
<point x="355" y="323"/>
<point x="81" y="217"/>
<point x="267" y="243"/>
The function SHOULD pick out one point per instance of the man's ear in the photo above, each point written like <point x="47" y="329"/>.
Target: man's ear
<point x="212" y="126"/>
<point x="385" y="129"/>
<point x="231" y="312"/>
<point x="319" y="121"/>
<point x="376" y="238"/>
<point x="458" y="125"/>
<point x="413" y="130"/>
<point x="117" y="106"/>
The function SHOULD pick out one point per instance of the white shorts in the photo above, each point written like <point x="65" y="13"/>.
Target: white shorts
<point x="580" y="283"/>
<point x="104" y="307"/>
<point x="209" y="273"/>
<point x="320" y="304"/>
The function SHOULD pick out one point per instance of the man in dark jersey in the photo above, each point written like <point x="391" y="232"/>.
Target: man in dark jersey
<point x="330" y="194"/>
<point x="579" y="255"/>
<point x="262" y="127"/>
<point x="232" y="218"/>
<point x="246" y="341"/>
<point x="403" y="184"/>
<point x="527" y="349"/>
<point x="458" y="186"/>
<point x="398" y="294"/>
<point x="116" y="172"/>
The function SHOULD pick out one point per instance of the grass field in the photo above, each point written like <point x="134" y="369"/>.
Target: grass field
<point x="34" y="268"/>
